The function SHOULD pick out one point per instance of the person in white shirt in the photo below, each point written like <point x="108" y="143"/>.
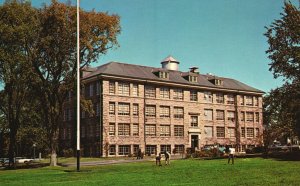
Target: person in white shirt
<point x="231" y="155"/>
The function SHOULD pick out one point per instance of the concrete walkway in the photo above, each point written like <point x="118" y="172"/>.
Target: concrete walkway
<point x="116" y="161"/>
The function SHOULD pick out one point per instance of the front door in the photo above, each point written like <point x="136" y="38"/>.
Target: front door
<point x="194" y="142"/>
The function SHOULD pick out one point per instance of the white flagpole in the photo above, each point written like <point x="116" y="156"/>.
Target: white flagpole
<point x="78" y="90"/>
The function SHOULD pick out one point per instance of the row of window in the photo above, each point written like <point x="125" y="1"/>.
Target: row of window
<point x="178" y="94"/>
<point x="125" y="129"/>
<point x="220" y="115"/>
<point x="231" y="132"/>
<point x="124" y="150"/>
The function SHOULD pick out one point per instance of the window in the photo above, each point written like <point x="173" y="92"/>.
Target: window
<point x="218" y="82"/>
<point x="149" y="92"/>
<point x="178" y="112"/>
<point x="231" y="116"/>
<point x="165" y="148"/>
<point x="136" y="149"/>
<point x="178" y="94"/>
<point x="164" y="92"/>
<point x="231" y="132"/>
<point x="123" y="129"/>
<point x="97" y="130"/>
<point x="193" y="79"/>
<point x="220" y="115"/>
<point x="97" y="109"/>
<point x="135" y="129"/>
<point x="250" y="132"/>
<point x="112" y="150"/>
<point x="164" y="75"/>
<point x="249" y="116"/>
<point x="98" y="88"/>
<point x="124" y="109"/>
<point x="208" y="98"/>
<point x="230" y="99"/>
<point x="221" y="132"/>
<point x="242" y="100"/>
<point x="82" y="114"/>
<point x="112" y="109"/>
<point x="150" y="149"/>
<point x="208" y="114"/>
<point x="193" y="95"/>
<point x="123" y="89"/>
<point x="194" y="121"/>
<point x="179" y="149"/>
<point x="164" y="111"/>
<point x="135" y="90"/>
<point x="112" y="87"/>
<point x="255" y="101"/>
<point x="165" y="130"/>
<point x="91" y="90"/>
<point x="150" y="110"/>
<point x="257" y="132"/>
<point x="178" y="130"/>
<point x="124" y="150"/>
<point x="112" y="129"/>
<point x="150" y="130"/>
<point x="135" y="109"/>
<point x="242" y="116"/>
<point x="249" y="100"/>
<point x="243" y="132"/>
<point x="220" y="98"/>
<point x="82" y="131"/>
<point x="256" y="116"/>
<point x="208" y="131"/>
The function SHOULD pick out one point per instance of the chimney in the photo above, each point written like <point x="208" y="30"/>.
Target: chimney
<point x="194" y="70"/>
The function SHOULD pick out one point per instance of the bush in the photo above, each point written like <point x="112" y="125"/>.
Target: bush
<point x="68" y="153"/>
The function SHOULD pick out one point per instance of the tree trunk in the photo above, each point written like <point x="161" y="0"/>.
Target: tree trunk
<point x="11" y="150"/>
<point x="53" y="158"/>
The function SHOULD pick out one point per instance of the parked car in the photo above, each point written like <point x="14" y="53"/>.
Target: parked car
<point x="4" y="161"/>
<point x="24" y="160"/>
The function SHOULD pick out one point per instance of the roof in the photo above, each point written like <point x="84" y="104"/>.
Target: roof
<point x="147" y="73"/>
<point x="170" y="59"/>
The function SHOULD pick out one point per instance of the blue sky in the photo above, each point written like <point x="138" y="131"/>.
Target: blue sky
<point x="220" y="37"/>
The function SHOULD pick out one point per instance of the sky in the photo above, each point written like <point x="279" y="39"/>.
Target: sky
<point x="222" y="37"/>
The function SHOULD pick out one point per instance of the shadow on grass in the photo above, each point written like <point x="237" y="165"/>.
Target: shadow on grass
<point x="71" y="171"/>
<point x="27" y="166"/>
<point x="283" y="156"/>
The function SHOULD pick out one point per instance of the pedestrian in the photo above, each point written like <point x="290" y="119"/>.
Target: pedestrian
<point x="158" y="159"/>
<point x="167" y="156"/>
<point x="139" y="154"/>
<point x="231" y="155"/>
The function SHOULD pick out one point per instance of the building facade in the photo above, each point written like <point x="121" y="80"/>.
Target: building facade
<point x="162" y="109"/>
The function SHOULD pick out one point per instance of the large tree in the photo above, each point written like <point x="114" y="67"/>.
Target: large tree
<point x="54" y="57"/>
<point x="283" y="104"/>
<point x="17" y="22"/>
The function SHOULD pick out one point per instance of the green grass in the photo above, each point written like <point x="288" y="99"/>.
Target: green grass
<point x="255" y="171"/>
<point x="82" y="159"/>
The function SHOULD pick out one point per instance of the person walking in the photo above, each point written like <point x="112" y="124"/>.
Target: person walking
<point x="231" y="155"/>
<point x="167" y="156"/>
<point x="158" y="159"/>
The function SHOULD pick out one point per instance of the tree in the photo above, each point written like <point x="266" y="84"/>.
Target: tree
<point x="282" y="105"/>
<point x="16" y="32"/>
<point x="54" y="58"/>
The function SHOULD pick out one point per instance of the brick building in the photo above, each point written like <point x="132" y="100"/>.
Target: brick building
<point x="158" y="109"/>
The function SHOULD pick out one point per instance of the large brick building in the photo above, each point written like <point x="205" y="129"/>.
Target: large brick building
<point x="158" y="109"/>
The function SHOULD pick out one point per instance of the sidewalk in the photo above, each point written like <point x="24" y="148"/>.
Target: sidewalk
<point x="116" y="161"/>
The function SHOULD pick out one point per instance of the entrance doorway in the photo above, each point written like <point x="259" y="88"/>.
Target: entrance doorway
<point x="194" y="142"/>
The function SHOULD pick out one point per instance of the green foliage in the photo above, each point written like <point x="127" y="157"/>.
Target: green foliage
<point x="282" y="105"/>
<point x="254" y="171"/>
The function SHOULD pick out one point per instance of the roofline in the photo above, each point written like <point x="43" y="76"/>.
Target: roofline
<point x="162" y="82"/>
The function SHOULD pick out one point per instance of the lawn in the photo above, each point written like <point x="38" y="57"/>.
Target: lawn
<point x="248" y="171"/>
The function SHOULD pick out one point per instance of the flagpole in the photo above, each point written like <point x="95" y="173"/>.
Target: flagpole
<point x="78" y="91"/>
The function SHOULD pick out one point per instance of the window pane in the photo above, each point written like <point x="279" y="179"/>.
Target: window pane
<point x="150" y="110"/>
<point x="164" y="92"/>
<point x="149" y="92"/>
<point x="123" y="89"/>
<point x="208" y="131"/>
<point x="220" y="132"/>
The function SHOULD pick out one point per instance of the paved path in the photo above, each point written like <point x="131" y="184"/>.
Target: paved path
<point x="116" y="161"/>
